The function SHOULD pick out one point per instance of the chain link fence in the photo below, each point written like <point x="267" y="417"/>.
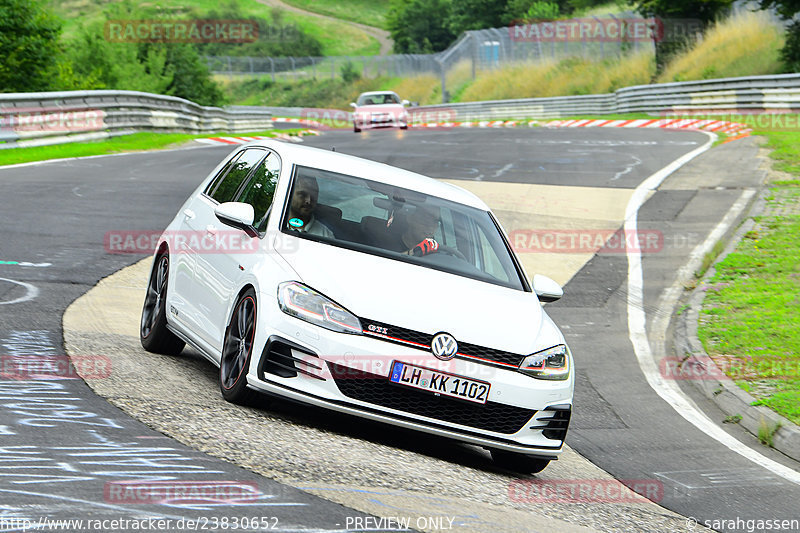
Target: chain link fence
<point x="591" y="38"/>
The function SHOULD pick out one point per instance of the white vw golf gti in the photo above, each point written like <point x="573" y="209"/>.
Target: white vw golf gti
<point x="359" y="287"/>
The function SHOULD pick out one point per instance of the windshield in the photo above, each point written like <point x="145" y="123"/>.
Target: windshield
<point x="400" y="224"/>
<point x="378" y="99"/>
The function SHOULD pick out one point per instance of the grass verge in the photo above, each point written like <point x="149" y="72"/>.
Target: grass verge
<point x="136" y="142"/>
<point x="745" y="44"/>
<point x="751" y="310"/>
<point x="337" y="37"/>
<point x="366" y="12"/>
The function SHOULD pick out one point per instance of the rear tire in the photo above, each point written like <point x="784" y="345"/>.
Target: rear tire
<point x="518" y="462"/>
<point x="356" y="129"/>
<point x="153" y="332"/>
<point x="237" y="351"/>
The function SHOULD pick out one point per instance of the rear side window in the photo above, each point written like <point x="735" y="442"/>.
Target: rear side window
<point x="260" y="190"/>
<point x="227" y="184"/>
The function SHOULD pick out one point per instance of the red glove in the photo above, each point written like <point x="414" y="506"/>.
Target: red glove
<point x="427" y="246"/>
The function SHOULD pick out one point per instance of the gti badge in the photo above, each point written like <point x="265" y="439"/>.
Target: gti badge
<point x="444" y="346"/>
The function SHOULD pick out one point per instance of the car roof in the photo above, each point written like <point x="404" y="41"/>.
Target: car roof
<point x="377" y="92"/>
<point x="372" y="170"/>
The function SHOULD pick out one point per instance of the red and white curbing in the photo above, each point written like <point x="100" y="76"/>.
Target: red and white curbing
<point x="718" y="126"/>
<point x="734" y="130"/>
<point x="243" y="140"/>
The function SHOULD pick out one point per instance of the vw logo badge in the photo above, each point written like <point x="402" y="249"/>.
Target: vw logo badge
<point x="444" y="346"/>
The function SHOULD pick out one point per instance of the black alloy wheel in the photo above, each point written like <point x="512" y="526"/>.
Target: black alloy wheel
<point x="237" y="351"/>
<point x="153" y="332"/>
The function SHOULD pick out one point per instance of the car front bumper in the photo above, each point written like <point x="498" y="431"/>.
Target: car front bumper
<point x="350" y="374"/>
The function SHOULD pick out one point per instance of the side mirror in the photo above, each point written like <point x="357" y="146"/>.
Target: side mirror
<point x="237" y="215"/>
<point x="546" y="289"/>
<point x="353" y="105"/>
<point x="405" y="103"/>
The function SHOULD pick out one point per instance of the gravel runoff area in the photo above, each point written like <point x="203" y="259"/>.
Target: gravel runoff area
<point x="367" y="466"/>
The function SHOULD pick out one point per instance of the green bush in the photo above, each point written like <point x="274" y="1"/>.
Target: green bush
<point x="28" y="46"/>
<point x="349" y="72"/>
<point x="790" y="53"/>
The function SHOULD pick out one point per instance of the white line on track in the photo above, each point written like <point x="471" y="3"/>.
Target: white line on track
<point x="637" y="319"/>
<point x="32" y="293"/>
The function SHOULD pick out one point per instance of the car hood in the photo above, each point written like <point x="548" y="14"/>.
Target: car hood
<point x="382" y="108"/>
<point x="423" y="299"/>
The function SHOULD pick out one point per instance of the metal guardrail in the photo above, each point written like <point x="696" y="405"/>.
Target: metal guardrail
<point x="30" y="119"/>
<point x="778" y="93"/>
<point x="33" y="119"/>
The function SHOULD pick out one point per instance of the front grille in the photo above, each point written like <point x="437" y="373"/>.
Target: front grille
<point x="378" y="390"/>
<point x="423" y="340"/>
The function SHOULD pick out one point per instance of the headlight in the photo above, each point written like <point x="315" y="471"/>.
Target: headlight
<point x="552" y="363"/>
<point x="307" y="304"/>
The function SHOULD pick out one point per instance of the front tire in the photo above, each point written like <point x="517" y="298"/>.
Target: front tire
<point x="356" y="129"/>
<point x="153" y="332"/>
<point x="520" y="463"/>
<point x="237" y="351"/>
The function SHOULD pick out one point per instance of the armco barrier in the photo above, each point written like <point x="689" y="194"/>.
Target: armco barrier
<point x="31" y="119"/>
<point x="752" y="94"/>
<point x="28" y="119"/>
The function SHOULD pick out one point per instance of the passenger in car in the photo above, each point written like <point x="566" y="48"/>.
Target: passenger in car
<point x="302" y="207"/>
<point x="413" y="233"/>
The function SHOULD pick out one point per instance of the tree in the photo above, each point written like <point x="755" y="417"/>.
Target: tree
<point x="476" y="15"/>
<point x="419" y="26"/>
<point x="677" y="13"/>
<point x="533" y="10"/>
<point x="28" y="46"/>
<point x="790" y="53"/>
<point x="190" y="76"/>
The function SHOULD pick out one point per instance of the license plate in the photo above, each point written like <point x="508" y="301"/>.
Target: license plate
<point x="441" y="383"/>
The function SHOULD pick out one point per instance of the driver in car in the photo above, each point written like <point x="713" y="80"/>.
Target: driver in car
<point x="414" y="233"/>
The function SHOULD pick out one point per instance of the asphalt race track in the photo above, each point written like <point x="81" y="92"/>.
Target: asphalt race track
<point x="67" y="453"/>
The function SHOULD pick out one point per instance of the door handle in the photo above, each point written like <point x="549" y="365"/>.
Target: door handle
<point x="188" y="213"/>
